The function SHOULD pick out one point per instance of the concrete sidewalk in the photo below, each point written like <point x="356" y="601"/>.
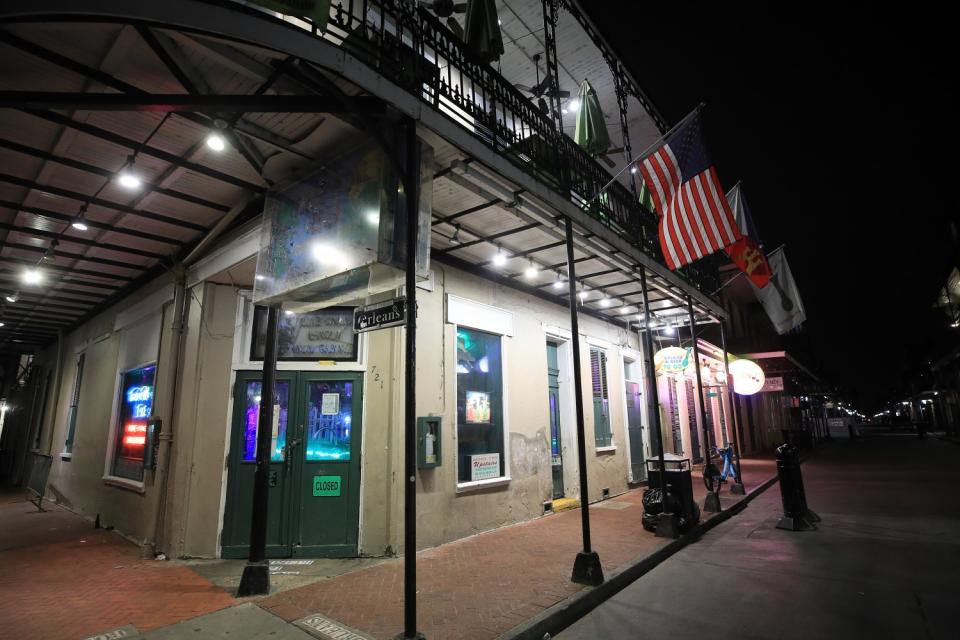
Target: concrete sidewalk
<point x="882" y="563"/>
<point x="62" y="579"/>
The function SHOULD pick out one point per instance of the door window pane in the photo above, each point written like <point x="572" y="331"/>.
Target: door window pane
<point x="278" y="441"/>
<point x="329" y="420"/>
<point x="136" y="405"/>
<point x="479" y="406"/>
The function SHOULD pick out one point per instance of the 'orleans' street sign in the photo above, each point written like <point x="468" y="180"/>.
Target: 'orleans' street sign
<point x="391" y="313"/>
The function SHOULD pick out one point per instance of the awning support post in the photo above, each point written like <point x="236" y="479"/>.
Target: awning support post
<point x="255" y="580"/>
<point x="712" y="502"/>
<point x="737" y="487"/>
<point x="586" y="568"/>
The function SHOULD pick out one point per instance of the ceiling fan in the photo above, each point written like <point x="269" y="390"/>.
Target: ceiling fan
<point x="546" y="87"/>
<point x="446" y="9"/>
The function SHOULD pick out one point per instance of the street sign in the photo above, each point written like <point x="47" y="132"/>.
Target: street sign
<point x="391" y="313"/>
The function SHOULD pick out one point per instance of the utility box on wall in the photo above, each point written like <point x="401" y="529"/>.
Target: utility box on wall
<point x="428" y="442"/>
<point x="340" y="234"/>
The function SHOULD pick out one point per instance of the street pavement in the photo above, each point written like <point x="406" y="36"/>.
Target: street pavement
<point x="883" y="562"/>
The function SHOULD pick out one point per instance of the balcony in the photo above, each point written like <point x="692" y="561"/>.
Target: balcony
<point x="411" y="47"/>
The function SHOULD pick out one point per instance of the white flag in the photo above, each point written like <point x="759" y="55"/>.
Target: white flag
<point x="780" y="298"/>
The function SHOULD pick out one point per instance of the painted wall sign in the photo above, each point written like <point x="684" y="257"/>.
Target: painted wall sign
<point x="772" y="384"/>
<point x="326" y="486"/>
<point x="485" y="466"/>
<point x="391" y="313"/>
<point x="748" y="377"/>
<point x="672" y="359"/>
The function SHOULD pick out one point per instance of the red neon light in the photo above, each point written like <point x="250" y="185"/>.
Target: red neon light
<point x="135" y="428"/>
<point x="135" y="440"/>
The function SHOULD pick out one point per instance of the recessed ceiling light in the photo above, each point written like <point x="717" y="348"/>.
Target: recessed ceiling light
<point x="499" y="259"/>
<point x="573" y="105"/>
<point x="2" y="324"/>
<point x="12" y="298"/>
<point x="531" y="271"/>
<point x="373" y="217"/>
<point x="79" y="225"/>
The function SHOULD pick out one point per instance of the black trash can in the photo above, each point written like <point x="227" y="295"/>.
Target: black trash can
<point x="678" y="497"/>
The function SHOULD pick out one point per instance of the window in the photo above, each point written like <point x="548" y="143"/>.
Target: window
<point x="601" y="397"/>
<point x="136" y="405"/>
<point x="325" y="334"/>
<point x="74" y="401"/>
<point x="480" y="437"/>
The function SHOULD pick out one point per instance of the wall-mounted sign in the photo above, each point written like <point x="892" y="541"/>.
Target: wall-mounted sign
<point x="672" y="359"/>
<point x="325" y="486"/>
<point x="326" y="334"/>
<point x="391" y="313"/>
<point x="772" y="384"/>
<point x="485" y="466"/>
<point x="747" y="376"/>
<point x="137" y="389"/>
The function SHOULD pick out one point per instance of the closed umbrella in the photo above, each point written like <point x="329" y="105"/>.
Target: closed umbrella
<point x="591" y="130"/>
<point x="317" y="10"/>
<point x="482" y="31"/>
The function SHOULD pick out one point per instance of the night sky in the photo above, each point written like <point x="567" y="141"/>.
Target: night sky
<point x="842" y="127"/>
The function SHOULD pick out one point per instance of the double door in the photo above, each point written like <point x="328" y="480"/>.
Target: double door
<point x="314" y="475"/>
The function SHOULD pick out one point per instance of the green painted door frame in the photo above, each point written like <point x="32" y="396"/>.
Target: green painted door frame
<point x="314" y="475"/>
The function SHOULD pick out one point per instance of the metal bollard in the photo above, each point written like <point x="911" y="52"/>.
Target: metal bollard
<point x="797" y="516"/>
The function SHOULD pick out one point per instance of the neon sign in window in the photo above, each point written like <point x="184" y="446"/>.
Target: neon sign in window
<point x="136" y="405"/>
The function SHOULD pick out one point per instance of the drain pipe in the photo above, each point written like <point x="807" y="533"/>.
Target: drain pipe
<point x="165" y="437"/>
<point x="154" y="546"/>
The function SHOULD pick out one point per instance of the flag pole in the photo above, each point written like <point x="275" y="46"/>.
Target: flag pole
<point x="646" y="152"/>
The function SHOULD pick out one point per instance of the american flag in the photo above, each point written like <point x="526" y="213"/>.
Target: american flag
<point x="695" y="218"/>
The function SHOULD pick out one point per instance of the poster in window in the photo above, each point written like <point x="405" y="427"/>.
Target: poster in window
<point x="478" y="407"/>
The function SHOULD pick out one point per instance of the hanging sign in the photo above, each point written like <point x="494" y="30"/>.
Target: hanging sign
<point x="772" y="384"/>
<point x="672" y="359"/>
<point x="747" y="377"/>
<point x="382" y="315"/>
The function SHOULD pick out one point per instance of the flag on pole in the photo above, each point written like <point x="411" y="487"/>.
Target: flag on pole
<point x="695" y="217"/>
<point x="746" y="252"/>
<point x="780" y="298"/>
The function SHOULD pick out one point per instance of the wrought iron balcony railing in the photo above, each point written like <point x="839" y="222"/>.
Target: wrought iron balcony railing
<point x="412" y="48"/>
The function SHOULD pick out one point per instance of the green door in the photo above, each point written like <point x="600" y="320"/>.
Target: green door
<point x="315" y="468"/>
<point x="327" y="451"/>
<point x="242" y="467"/>
<point x="556" y="448"/>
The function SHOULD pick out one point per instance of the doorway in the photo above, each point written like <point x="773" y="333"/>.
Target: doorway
<point x="556" y="444"/>
<point x="314" y="477"/>
<point x="635" y="436"/>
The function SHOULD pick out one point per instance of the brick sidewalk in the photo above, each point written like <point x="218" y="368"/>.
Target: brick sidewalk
<point x="62" y="579"/>
<point x="482" y="586"/>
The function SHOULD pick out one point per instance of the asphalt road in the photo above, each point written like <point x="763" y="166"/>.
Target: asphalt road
<point x="883" y="563"/>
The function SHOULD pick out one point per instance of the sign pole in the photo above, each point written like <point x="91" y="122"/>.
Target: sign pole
<point x="412" y="192"/>
<point x="586" y="568"/>
<point x="737" y="487"/>
<point x="712" y="502"/>
<point x="256" y="574"/>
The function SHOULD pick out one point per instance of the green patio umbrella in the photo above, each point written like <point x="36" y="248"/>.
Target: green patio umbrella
<point x="591" y="130"/>
<point x="482" y="31"/>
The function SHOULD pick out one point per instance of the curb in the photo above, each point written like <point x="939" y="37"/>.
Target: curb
<point x="561" y="615"/>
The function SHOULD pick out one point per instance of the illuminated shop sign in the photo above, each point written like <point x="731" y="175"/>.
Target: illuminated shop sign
<point x="672" y="359"/>
<point x="136" y="406"/>
<point x="747" y="377"/>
